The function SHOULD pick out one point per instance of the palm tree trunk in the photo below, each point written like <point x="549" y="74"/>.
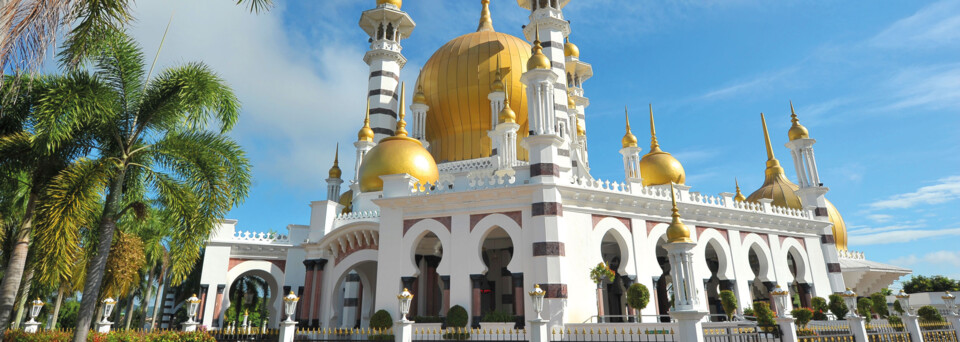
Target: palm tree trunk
<point x="129" y="313"/>
<point x="56" y="308"/>
<point x="22" y="297"/>
<point x="146" y="300"/>
<point x="18" y="260"/>
<point x="158" y="303"/>
<point x="95" y="269"/>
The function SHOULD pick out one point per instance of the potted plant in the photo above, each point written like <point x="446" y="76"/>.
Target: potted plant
<point x="599" y="274"/>
<point x="803" y="316"/>
<point x="496" y="321"/>
<point x="638" y="296"/>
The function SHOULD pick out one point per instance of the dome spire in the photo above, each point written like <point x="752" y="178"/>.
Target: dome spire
<point x="507" y="115"/>
<point x="739" y="196"/>
<point x="766" y="138"/>
<point x="401" y="124"/>
<point x="797" y="131"/>
<point x="335" y="171"/>
<point x="486" y="23"/>
<point x="654" y="145"/>
<point x="538" y="60"/>
<point x="677" y="231"/>
<point x="366" y="133"/>
<point x="498" y="77"/>
<point x="629" y="140"/>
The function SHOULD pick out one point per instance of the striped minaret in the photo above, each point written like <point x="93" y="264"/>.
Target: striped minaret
<point x="548" y="21"/>
<point x="386" y="25"/>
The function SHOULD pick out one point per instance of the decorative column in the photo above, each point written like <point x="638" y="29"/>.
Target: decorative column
<point x="203" y="302"/>
<point x="631" y="154"/>
<point x="577" y="72"/>
<point x="386" y="25"/>
<point x="217" y="304"/>
<point x="419" y="109"/>
<point x="317" y="294"/>
<point x="686" y="305"/>
<point x="788" y="325"/>
<point x="476" y="281"/>
<point x="518" y="296"/>
<point x="504" y="136"/>
<point x="307" y="308"/>
<point x="628" y="281"/>
<point x="334" y="180"/>
<point x="446" y="295"/>
<point x="351" y="296"/>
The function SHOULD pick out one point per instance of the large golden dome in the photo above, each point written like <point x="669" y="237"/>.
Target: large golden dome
<point x="658" y="167"/>
<point x="456" y="82"/>
<point x="398" y="154"/>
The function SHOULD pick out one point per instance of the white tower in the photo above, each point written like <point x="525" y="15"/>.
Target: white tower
<point x="577" y="72"/>
<point x="686" y="301"/>
<point x="504" y="136"/>
<point x="334" y="180"/>
<point x="540" y="80"/>
<point x="548" y="26"/>
<point x="419" y="109"/>
<point x="364" y="144"/>
<point x="813" y="194"/>
<point x="386" y="25"/>
<point x="631" y="154"/>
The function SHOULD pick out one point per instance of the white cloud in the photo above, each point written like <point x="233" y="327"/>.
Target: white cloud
<point x="933" y="26"/>
<point x="747" y="86"/>
<point x="938" y="258"/>
<point x="880" y="218"/>
<point x="901" y="236"/>
<point x="947" y="189"/>
<point x="935" y="87"/>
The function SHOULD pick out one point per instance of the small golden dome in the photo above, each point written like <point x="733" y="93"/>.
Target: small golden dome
<point x="677" y="231"/>
<point x="398" y="154"/>
<point x="538" y="60"/>
<point x="346" y="200"/>
<point x="366" y="133"/>
<point x="659" y="167"/>
<point x="839" y="227"/>
<point x="397" y="3"/>
<point x="570" y="49"/>
<point x="335" y="169"/>
<point x="739" y="196"/>
<point x="419" y="97"/>
<point x="580" y="130"/>
<point x="629" y="140"/>
<point x="797" y="131"/>
<point x="571" y="103"/>
<point x="507" y="115"/>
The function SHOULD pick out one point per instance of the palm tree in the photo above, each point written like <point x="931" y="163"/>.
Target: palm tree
<point x="153" y="144"/>
<point x="28" y="27"/>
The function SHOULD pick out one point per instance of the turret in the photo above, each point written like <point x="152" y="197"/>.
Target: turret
<point x="631" y="153"/>
<point x="386" y="25"/>
<point x="364" y="143"/>
<point x="419" y="109"/>
<point x="333" y="180"/>
<point x="504" y="136"/>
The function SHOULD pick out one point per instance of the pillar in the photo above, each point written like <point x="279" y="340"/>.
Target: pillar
<point x="317" y="292"/>
<point x="518" y="296"/>
<point x="203" y="301"/>
<point x="475" y="309"/>
<point x="446" y="295"/>
<point x="217" y="304"/>
<point x="307" y="304"/>
<point x="912" y="323"/>
<point x="858" y="328"/>
<point x="386" y="26"/>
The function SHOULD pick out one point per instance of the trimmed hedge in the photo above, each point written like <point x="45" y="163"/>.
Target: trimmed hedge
<point x="118" y="336"/>
<point x="498" y="317"/>
<point x="381" y="320"/>
<point x="457" y="317"/>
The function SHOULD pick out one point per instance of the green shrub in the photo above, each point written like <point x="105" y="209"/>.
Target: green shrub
<point x="428" y="319"/>
<point x="381" y="320"/>
<point x="820" y="308"/>
<point x="897" y="307"/>
<point x="602" y="273"/>
<point x="498" y="317"/>
<point x="880" y="304"/>
<point x="116" y="336"/>
<point x="748" y="311"/>
<point x="895" y="322"/>
<point x="764" y="314"/>
<point x="803" y="316"/>
<point x="929" y="313"/>
<point x="864" y="308"/>
<point x="729" y="302"/>
<point x="638" y="296"/>
<point x="457" y="317"/>
<point x="837" y="306"/>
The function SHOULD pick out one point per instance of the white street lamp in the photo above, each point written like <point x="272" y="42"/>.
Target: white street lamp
<point x="950" y="301"/>
<point x="35" y="310"/>
<point x="781" y="297"/>
<point x="193" y="303"/>
<point x="108" y="305"/>
<point x="290" y="305"/>
<point x="850" y="298"/>
<point x="904" y="300"/>
<point x="537" y="297"/>
<point x="405" y="298"/>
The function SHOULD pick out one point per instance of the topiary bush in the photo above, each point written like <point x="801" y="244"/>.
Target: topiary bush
<point x="837" y="306"/>
<point x="638" y="296"/>
<point x="898" y="308"/>
<point x="803" y="316"/>
<point x="764" y="314"/>
<point x="895" y="322"/>
<point x="729" y="302"/>
<point x="928" y="313"/>
<point x="864" y="308"/>
<point x="498" y="317"/>
<point x="880" y="305"/>
<point x="820" y="308"/>
<point x="457" y="317"/>
<point x="381" y="320"/>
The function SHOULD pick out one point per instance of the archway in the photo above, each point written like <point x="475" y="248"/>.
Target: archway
<point x="354" y="296"/>
<point x="664" y="284"/>
<point x="799" y="288"/>
<point x="759" y="286"/>
<point x="712" y="284"/>
<point x="497" y="286"/>
<point x="427" y="285"/>
<point x="253" y="291"/>
<point x="614" y="294"/>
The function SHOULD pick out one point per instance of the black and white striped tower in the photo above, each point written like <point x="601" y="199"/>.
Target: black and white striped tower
<point x="546" y="16"/>
<point x="386" y="25"/>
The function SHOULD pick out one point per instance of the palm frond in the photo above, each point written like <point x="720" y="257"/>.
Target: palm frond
<point x="257" y="6"/>
<point x="94" y="20"/>
<point x="190" y="96"/>
<point x="30" y="27"/>
<point x="68" y="104"/>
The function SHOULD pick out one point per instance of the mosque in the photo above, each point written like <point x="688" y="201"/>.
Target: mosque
<point x="481" y="188"/>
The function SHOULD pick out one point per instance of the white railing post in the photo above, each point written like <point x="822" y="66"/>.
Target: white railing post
<point x="912" y="323"/>
<point x="858" y="328"/>
<point x="788" y="329"/>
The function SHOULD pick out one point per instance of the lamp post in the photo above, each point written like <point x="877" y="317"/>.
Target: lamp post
<point x="290" y="305"/>
<point x="405" y="299"/>
<point x="904" y="299"/>
<point x="781" y="298"/>
<point x="193" y="304"/>
<point x="104" y="325"/>
<point x="33" y="326"/>
<point x="536" y="296"/>
<point x="404" y="330"/>
<point x="850" y="298"/>
<point x="949" y="301"/>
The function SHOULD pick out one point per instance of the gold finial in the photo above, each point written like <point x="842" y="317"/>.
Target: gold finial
<point x="366" y="133"/>
<point x="486" y="23"/>
<point x="419" y="97"/>
<point x="773" y="165"/>
<point x="335" y="171"/>
<point x="654" y="145"/>
<point x="797" y="131"/>
<point x="538" y="60"/>
<point x="507" y="115"/>
<point x="498" y="77"/>
<point x="677" y="231"/>
<point x="739" y="196"/>
<point x="401" y="124"/>
<point x="629" y="140"/>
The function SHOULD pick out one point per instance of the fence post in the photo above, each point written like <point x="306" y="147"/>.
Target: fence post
<point x="788" y="329"/>
<point x="858" y="328"/>
<point x="403" y="331"/>
<point x="538" y="330"/>
<point x="954" y="320"/>
<point x="288" y="330"/>
<point x="912" y="323"/>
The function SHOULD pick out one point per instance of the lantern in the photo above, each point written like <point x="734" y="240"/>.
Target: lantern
<point x="537" y="297"/>
<point x="35" y="310"/>
<point x="850" y="298"/>
<point x="781" y="297"/>
<point x="904" y="300"/>
<point x="405" y="298"/>
<point x="108" y="305"/>
<point x="193" y="303"/>
<point x="950" y="301"/>
<point x="290" y="305"/>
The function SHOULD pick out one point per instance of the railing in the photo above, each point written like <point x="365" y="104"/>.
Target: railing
<point x="818" y="331"/>
<point x="344" y="334"/>
<point x="884" y="331"/>
<point x="628" y="319"/>
<point x="357" y="216"/>
<point x="635" y="333"/>
<point x="477" y="334"/>
<point x="740" y="332"/>
<point x="246" y="334"/>
<point x="248" y="236"/>
<point x="937" y="332"/>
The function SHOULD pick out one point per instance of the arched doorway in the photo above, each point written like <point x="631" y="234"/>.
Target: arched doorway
<point x="759" y="287"/>
<point x="496" y="286"/>
<point x="663" y="282"/>
<point x="799" y="290"/>
<point x="254" y="293"/>
<point x="427" y="286"/>
<point x="354" y="296"/>
<point x="712" y="284"/>
<point x="614" y="295"/>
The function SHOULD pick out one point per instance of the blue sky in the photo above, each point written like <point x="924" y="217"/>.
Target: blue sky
<point x="877" y="84"/>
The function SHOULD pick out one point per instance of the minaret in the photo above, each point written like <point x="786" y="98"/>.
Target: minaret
<point x="686" y="301"/>
<point x="579" y="159"/>
<point x="540" y="80"/>
<point x="504" y="136"/>
<point x="812" y="194"/>
<point x="419" y="109"/>
<point x="548" y="26"/>
<point x="334" y="180"/>
<point x="631" y="154"/>
<point x="497" y="94"/>
<point x="364" y="143"/>
<point x="577" y="72"/>
<point x="386" y="25"/>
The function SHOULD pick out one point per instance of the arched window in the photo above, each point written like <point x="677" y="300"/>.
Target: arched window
<point x="380" y="32"/>
<point x="390" y="31"/>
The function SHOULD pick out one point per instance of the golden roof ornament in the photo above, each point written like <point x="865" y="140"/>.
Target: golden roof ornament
<point x="658" y="167"/>
<point x="486" y="23"/>
<point x="366" y="133"/>
<point x="570" y="49"/>
<point x="580" y="130"/>
<point x="335" y="171"/>
<point x="507" y="115"/>
<point x="677" y="231"/>
<point x="739" y="196"/>
<point x="419" y="97"/>
<point x="401" y="123"/>
<point x="497" y="84"/>
<point x="538" y="60"/>
<point x="775" y="186"/>
<point x="797" y="131"/>
<point x="629" y="140"/>
<point x="397" y="3"/>
<point x="571" y="103"/>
